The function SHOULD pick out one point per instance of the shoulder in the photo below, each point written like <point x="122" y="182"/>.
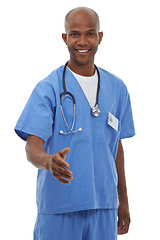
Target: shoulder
<point x="113" y="81"/>
<point x="51" y="82"/>
<point x="111" y="77"/>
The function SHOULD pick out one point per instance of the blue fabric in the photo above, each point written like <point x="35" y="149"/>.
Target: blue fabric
<point x="98" y="224"/>
<point x="92" y="151"/>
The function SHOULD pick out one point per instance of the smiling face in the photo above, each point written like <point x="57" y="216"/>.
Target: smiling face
<point x="82" y="36"/>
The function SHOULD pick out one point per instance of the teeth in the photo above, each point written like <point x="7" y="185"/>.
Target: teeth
<point x="82" y="51"/>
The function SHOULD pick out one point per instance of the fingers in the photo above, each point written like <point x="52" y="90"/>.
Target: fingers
<point x="62" y="172"/>
<point x="60" y="177"/>
<point x="63" y="154"/>
<point x="60" y="157"/>
<point x="123" y="226"/>
<point x="123" y="217"/>
<point x="59" y="167"/>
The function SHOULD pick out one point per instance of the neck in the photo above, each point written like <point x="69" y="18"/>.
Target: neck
<point x="82" y="69"/>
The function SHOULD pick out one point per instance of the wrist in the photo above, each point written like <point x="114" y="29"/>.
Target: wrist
<point x="47" y="161"/>
<point x="122" y="196"/>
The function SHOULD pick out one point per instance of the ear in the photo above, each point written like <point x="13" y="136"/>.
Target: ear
<point x="100" y="36"/>
<point x="64" y="37"/>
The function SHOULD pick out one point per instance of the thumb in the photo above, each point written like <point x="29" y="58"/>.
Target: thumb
<point x="120" y="223"/>
<point x="64" y="152"/>
<point x="121" y="227"/>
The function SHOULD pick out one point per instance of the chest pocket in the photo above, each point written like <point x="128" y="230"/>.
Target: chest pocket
<point x="113" y="128"/>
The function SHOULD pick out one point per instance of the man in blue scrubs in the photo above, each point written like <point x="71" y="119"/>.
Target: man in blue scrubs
<point x="81" y="180"/>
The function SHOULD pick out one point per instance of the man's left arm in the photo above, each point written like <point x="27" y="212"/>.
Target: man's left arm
<point x="123" y="208"/>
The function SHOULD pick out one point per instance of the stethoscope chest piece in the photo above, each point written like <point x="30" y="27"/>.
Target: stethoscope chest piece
<point x="96" y="111"/>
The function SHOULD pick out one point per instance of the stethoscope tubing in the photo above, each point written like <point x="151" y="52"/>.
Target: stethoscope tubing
<point x="95" y="110"/>
<point x="64" y="85"/>
<point x="69" y="93"/>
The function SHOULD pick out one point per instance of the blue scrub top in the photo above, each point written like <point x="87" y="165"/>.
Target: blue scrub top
<point x="92" y="151"/>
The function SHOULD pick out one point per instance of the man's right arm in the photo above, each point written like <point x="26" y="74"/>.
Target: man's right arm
<point x="42" y="160"/>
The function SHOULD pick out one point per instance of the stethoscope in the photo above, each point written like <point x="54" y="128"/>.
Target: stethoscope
<point x="95" y="110"/>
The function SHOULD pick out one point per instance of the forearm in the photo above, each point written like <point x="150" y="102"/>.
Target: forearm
<point x="123" y="208"/>
<point x="42" y="160"/>
<point x="122" y="189"/>
<point x="36" y="154"/>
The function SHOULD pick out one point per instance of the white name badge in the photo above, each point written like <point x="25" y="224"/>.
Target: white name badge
<point x="113" y="121"/>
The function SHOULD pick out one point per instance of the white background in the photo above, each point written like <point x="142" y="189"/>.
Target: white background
<point x="31" y="47"/>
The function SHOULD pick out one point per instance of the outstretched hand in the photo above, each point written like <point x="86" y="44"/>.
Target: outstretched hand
<point x="58" y="166"/>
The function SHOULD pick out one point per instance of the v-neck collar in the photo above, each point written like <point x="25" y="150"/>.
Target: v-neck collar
<point x="74" y="85"/>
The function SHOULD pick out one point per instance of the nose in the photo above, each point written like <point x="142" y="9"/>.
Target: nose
<point x="82" y="40"/>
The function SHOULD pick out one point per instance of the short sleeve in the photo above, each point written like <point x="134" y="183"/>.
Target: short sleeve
<point x="127" y="124"/>
<point x="37" y="117"/>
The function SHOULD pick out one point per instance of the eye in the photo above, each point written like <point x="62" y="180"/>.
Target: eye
<point x="74" y="34"/>
<point x="90" y="34"/>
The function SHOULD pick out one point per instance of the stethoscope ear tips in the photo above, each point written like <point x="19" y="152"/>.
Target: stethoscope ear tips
<point x="61" y="132"/>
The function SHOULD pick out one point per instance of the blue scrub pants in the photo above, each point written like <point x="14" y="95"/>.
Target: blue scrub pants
<point x="96" y="224"/>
